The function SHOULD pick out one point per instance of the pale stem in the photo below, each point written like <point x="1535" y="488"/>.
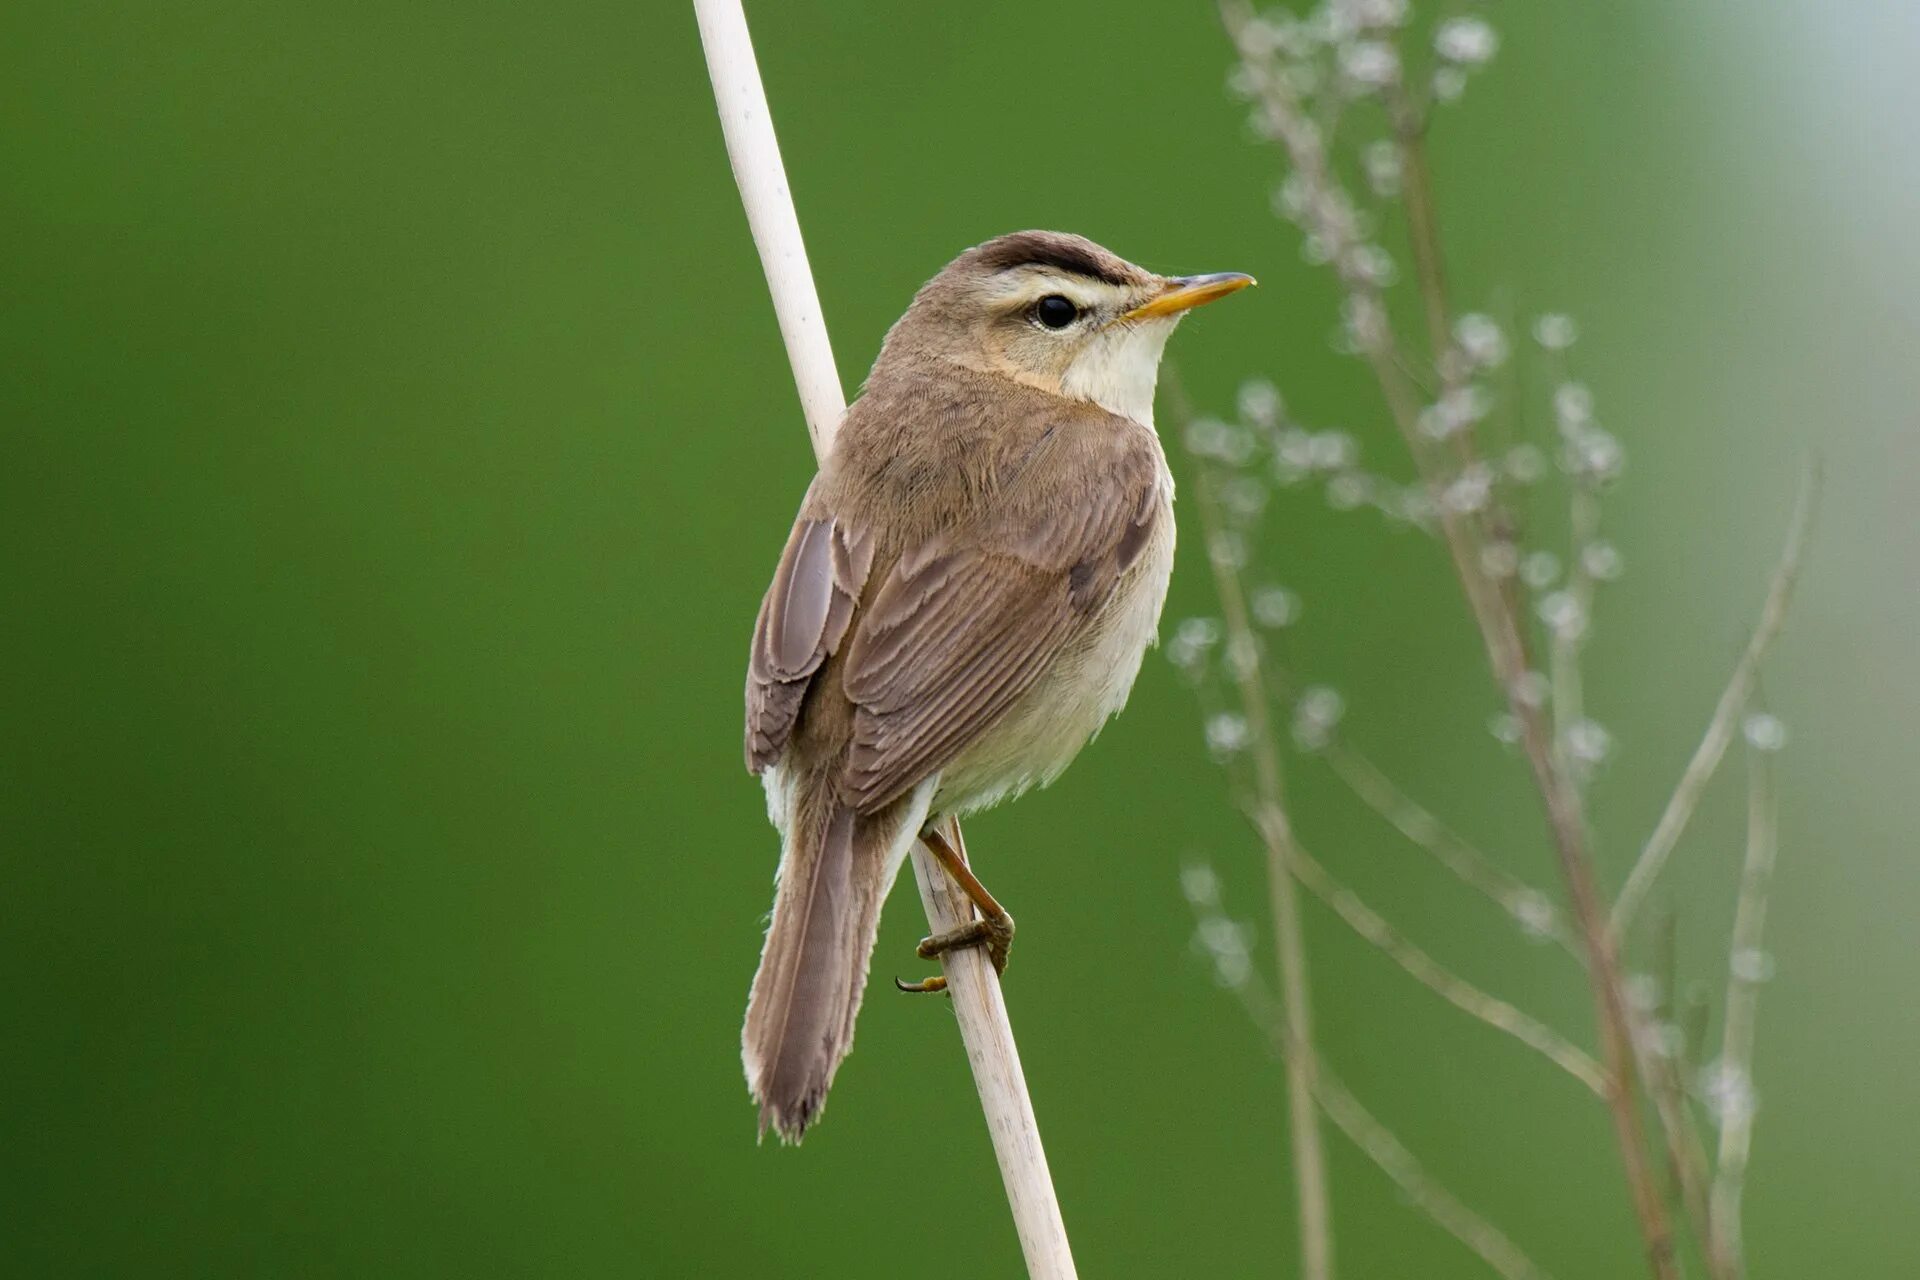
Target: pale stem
<point x="1564" y="654"/>
<point x="977" y="1004"/>
<point x="1380" y="1145"/>
<point x="1743" y="1004"/>
<point x="1290" y="955"/>
<point x="1686" y="1156"/>
<point x="1381" y="794"/>
<point x="1422" y="1190"/>
<point x="1422" y="231"/>
<point x="1506" y="651"/>
<point x="1373" y="788"/>
<point x="987" y="1031"/>
<point x="1726" y="715"/>
<point x="1430" y="973"/>
<point x="1406" y="815"/>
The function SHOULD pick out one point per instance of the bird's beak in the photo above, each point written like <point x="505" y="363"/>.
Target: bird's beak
<point x="1184" y="292"/>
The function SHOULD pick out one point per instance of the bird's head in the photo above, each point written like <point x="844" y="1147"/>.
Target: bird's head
<point x="1059" y="313"/>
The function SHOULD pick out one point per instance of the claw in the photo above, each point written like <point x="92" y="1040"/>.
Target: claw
<point x="928" y="986"/>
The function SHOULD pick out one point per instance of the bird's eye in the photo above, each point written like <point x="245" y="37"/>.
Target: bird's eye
<point x="1055" y="312"/>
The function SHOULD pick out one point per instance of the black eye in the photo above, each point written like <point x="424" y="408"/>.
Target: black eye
<point x="1055" y="312"/>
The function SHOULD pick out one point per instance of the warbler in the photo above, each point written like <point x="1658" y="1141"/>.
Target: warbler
<point x="972" y="581"/>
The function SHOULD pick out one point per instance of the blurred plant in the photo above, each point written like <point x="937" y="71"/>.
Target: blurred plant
<point x="1348" y="92"/>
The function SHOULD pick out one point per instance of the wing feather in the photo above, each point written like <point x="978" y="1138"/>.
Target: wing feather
<point x="961" y="627"/>
<point x="802" y="621"/>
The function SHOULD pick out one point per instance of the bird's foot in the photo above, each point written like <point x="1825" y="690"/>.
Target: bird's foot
<point x="992" y="930"/>
<point x="995" y="933"/>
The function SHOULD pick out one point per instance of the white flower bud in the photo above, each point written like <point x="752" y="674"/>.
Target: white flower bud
<point x="1370" y="64"/>
<point x="1470" y="42"/>
<point x="1480" y="340"/>
<point x="1315" y="717"/>
<point x="1275" y="607"/>
<point x="1765" y="732"/>
<point x="1227" y="735"/>
<point x="1555" y="332"/>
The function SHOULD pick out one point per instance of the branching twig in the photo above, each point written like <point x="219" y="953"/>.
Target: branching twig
<point x="1451" y="987"/>
<point x="1421" y="1189"/>
<point x="1726" y="715"/>
<point x="1514" y="896"/>
<point x="1500" y="627"/>
<point x="977" y="1003"/>
<point x="1287" y="861"/>
<point x="1374" y="1140"/>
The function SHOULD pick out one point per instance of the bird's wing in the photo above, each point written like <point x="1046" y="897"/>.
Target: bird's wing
<point x="802" y="620"/>
<point x="964" y="623"/>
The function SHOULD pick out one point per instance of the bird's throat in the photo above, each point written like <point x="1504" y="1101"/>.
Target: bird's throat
<point x="1119" y="369"/>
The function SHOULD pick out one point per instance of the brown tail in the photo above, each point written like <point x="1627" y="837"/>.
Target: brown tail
<point x="835" y="871"/>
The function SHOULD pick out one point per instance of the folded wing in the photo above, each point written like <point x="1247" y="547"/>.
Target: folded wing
<point x="964" y="625"/>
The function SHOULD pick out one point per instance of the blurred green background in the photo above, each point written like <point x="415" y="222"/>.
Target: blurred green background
<point x="397" y="443"/>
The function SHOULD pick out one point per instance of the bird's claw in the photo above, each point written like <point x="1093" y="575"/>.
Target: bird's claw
<point x="994" y="932"/>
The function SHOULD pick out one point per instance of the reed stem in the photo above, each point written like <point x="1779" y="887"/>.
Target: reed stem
<point x="978" y="1005"/>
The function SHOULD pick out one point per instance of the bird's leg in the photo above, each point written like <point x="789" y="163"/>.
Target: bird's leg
<point x="993" y="930"/>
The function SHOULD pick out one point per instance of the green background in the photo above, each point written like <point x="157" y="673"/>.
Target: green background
<point x="397" y="441"/>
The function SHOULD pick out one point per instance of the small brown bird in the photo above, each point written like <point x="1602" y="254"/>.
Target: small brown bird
<point x="966" y="596"/>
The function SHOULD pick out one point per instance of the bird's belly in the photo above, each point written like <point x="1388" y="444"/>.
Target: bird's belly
<point x="1086" y="685"/>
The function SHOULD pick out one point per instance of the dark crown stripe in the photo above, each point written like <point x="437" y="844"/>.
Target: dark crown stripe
<point x="1062" y="255"/>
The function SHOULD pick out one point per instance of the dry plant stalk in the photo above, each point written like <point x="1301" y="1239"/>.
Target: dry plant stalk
<point x="1268" y="808"/>
<point x="1732" y="1081"/>
<point x="1493" y="609"/>
<point x="1288" y="1030"/>
<point x="1527" y="905"/>
<point x="1733" y="701"/>
<point x="1452" y="988"/>
<point x="1422" y="1190"/>
<point x="1226" y="940"/>
<point x="1348" y="64"/>
<point x="977" y="1003"/>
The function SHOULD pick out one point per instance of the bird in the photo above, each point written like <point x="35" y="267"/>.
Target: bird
<point x="966" y="596"/>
